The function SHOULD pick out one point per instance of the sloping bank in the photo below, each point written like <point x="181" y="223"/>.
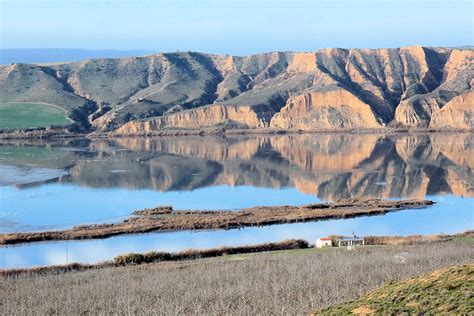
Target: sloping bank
<point x="166" y="219"/>
<point x="441" y="292"/>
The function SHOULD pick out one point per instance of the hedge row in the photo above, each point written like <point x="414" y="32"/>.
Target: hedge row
<point x="137" y="258"/>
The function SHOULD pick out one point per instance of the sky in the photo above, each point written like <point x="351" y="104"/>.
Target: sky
<point x="237" y="27"/>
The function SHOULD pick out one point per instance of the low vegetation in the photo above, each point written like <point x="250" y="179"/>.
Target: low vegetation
<point x="281" y="282"/>
<point x="137" y="258"/>
<point x="163" y="219"/>
<point x="151" y="257"/>
<point x="30" y="115"/>
<point x="193" y="254"/>
<point x="442" y="292"/>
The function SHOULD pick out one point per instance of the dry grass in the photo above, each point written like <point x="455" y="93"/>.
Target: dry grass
<point x="286" y="282"/>
<point x="441" y="292"/>
<point x="162" y="219"/>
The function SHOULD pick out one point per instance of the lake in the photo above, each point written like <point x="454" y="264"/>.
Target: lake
<point x="48" y="185"/>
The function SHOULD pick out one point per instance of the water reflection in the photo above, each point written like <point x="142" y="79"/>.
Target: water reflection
<point x="58" y="184"/>
<point x="328" y="166"/>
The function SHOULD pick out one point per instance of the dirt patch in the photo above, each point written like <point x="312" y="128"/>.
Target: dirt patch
<point x="362" y="310"/>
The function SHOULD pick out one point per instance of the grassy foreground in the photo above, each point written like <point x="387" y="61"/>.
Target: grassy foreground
<point x="29" y="115"/>
<point x="446" y="291"/>
<point x="280" y="282"/>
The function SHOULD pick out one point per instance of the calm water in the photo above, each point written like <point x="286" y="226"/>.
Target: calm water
<point x="56" y="185"/>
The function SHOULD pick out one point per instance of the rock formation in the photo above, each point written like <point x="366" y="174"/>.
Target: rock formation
<point x="327" y="89"/>
<point x="457" y="113"/>
<point x="333" y="109"/>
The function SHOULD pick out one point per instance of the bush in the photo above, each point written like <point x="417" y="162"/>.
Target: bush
<point x="190" y="254"/>
<point x="130" y="258"/>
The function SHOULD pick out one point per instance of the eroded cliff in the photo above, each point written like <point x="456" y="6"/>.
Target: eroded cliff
<point x="457" y="113"/>
<point x="213" y="115"/>
<point x="325" y="110"/>
<point x="327" y="89"/>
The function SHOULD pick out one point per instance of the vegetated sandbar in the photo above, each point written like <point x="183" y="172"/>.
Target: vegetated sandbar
<point x="166" y="219"/>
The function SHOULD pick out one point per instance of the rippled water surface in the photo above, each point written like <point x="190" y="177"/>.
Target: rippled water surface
<point x="59" y="184"/>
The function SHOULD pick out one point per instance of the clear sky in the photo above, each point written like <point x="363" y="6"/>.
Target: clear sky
<point x="234" y="26"/>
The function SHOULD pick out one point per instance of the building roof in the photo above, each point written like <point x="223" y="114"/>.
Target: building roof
<point x="350" y="238"/>
<point x="325" y="238"/>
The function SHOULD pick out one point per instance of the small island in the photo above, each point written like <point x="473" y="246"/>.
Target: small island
<point x="165" y="219"/>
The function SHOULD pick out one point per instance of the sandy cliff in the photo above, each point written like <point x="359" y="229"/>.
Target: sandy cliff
<point x="328" y="88"/>
<point x="201" y="117"/>
<point x="457" y="113"/>
<point x="458" y="78"/>
<point x="318" y="110"/>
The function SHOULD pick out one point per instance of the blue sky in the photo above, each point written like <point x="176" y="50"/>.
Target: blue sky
<point x="234" y="27"/>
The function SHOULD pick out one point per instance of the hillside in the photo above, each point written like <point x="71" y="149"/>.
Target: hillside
<point x="447" y="291"/>
<point x="327" y="89"/>
<point x="286" y="282"/>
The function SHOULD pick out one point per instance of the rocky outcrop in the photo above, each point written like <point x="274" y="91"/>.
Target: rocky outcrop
<point x="325" y="110"/>
<point x="457" y="113"/>
<point x="214" y="115"/>
<point x="329" y="88"/>
<point x="458" y="78"/>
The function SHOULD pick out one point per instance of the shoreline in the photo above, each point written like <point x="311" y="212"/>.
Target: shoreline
<point x="153" y="257"/>
<point x="63" y="133"/>
<point x="165" y="219"/>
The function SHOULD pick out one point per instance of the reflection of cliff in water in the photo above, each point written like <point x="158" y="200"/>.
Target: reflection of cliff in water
<point x="329" y="166"/>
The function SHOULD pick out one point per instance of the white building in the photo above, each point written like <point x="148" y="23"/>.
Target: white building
<point x="350" y="242"/>
<point x="323" y="242"/>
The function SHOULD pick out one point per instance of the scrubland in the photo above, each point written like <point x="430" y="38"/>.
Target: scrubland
<point x="282" y="282"/>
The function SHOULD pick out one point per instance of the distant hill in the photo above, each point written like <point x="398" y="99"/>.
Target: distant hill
<point x="54" y="55"/>
<point x="327" y="89"/>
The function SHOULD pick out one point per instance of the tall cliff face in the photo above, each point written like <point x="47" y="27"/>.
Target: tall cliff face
<point x="329" y="88"/>
<point x="457" y="78"/>
<point x="333" y="109"/>
<point x="457" y="113"/>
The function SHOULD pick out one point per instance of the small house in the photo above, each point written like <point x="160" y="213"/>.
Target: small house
<point x="350" y="242"/>
<point x="323" y="242"/>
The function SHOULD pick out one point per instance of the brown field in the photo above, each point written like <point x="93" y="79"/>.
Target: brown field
<point x="282" y="282"/>
<point x="164" y="219"/>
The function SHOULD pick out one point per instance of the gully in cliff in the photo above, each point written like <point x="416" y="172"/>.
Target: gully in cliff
<point x="166" y="219"/>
